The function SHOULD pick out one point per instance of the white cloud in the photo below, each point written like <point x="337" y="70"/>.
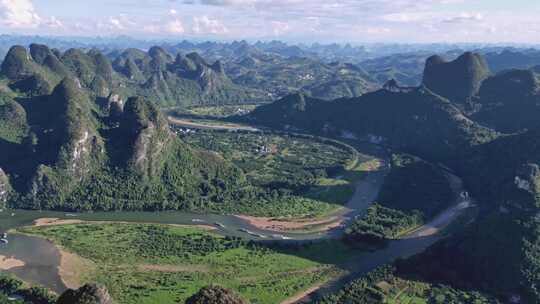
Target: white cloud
<point x="279" y="28"/>
<point x="207" y="25"/>
<point x="222" y="2"/>
<point x="175" y="27"/>
<point x="19" y="14"/>
<point x="22" y="15"/>
<point x="116" y="23"/>
<point x="464" y="17"/>
<point x="53" y="23"/>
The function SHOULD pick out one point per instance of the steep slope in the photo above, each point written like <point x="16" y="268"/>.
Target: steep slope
<point x="69" y="144"/>
<point x="458" y="80"/>
<point x="5" y="187"/>
<point x="70" y="150"/>
<point x="26" y="75"/>
<point x="413" y="120"/>
<point x="500" y="252"/>
<point x="510" y="101"/>
<point x="148" y="134"/>
<point x="17" y="64"/>
<point x="13" y="121"/>
<point x="215" y="295"/>
<point x="87" y="294"/>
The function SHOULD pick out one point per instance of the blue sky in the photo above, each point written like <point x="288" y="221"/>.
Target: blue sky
<point x="354" y="21"/>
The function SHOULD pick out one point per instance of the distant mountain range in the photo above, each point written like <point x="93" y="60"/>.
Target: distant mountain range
<point x="180" y="81"/>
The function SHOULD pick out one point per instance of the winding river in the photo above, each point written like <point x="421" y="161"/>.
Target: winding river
<point x="41" y="258"/>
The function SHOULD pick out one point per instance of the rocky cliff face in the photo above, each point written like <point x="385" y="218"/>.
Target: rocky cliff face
<point x="149" y="134"/>
<point x="215" y="295"/>
<point x="80" y="141"/>
<point x="4" y="187"/>
<point x="17" y="64"/>
<point x="87" y="294"/>
<point x="458" y="80"/>
<point x="71" y="147"/>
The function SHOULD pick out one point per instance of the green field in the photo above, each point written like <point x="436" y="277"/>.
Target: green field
<point x="142" y="263"/>
<point x="218" y="111"/>
<point x="317" y="171"/>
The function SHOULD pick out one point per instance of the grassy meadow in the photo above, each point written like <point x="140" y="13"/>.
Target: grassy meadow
<point x="142" y="263"/>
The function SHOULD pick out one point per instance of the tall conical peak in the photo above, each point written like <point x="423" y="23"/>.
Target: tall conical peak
<point x="39" y="52"/>
<point x="456" y="80"/>
<point x="157" y="51"/>
<point x="67" y="89"/>
<point x="435" y="60"/>
<point x="218" y="67"/>
<point x="197" y="59"/>
<point x="17" y="63"/>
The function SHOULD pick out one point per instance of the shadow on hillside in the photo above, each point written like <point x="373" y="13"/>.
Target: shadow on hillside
<point x="331" y="194"/>
<point x="354" y="257"/>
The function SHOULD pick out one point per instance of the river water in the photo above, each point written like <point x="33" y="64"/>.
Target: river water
<point x="42" y="257"/>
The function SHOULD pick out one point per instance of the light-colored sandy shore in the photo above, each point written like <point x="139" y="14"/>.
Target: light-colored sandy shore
<point x="277" y="225"/>
<point x="42" y="222"/>
<point x="7" y="263"/>
<point x="302" y="295"/>
<point x="222" y="126"/>
<point x="70" y="268"/>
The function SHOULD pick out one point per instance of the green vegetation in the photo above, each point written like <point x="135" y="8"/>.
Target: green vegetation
<point x="89" y="163"/>
<point x="458" y="80"/>
<point x="415" y="121"/>
<point x="280" y="76"/>
<point x="83" y="148"/>
<point x="141" y="263"/>
<point x="267" y="159"/>
<point x="87" y="294"/>
<point x="216" y="295"/>
<point x="413" y="192"/>
<point x="218" y="111"/>
<point x="414" y="184"/>
<point x="381" y="223"/>
<point x="13" y="125"/>
<point x="313" y="175"/>
<point x="387" y="285"/>
<point x="510" y="94"/>
<point x="11" y="286"/>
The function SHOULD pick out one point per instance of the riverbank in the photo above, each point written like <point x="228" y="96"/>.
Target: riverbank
<point x="186" y="260"/>
<point x="45" y="222"/>
<point x="7" y="263"/>
<point x="202" y="125"/>
<point x="294" y="225"/>
<point x="72" y="267"/>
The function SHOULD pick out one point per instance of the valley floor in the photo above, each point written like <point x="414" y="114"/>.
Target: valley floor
<point x="142" y="263"/>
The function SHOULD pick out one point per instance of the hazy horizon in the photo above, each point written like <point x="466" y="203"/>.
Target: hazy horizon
<point x="294" y="21"/>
